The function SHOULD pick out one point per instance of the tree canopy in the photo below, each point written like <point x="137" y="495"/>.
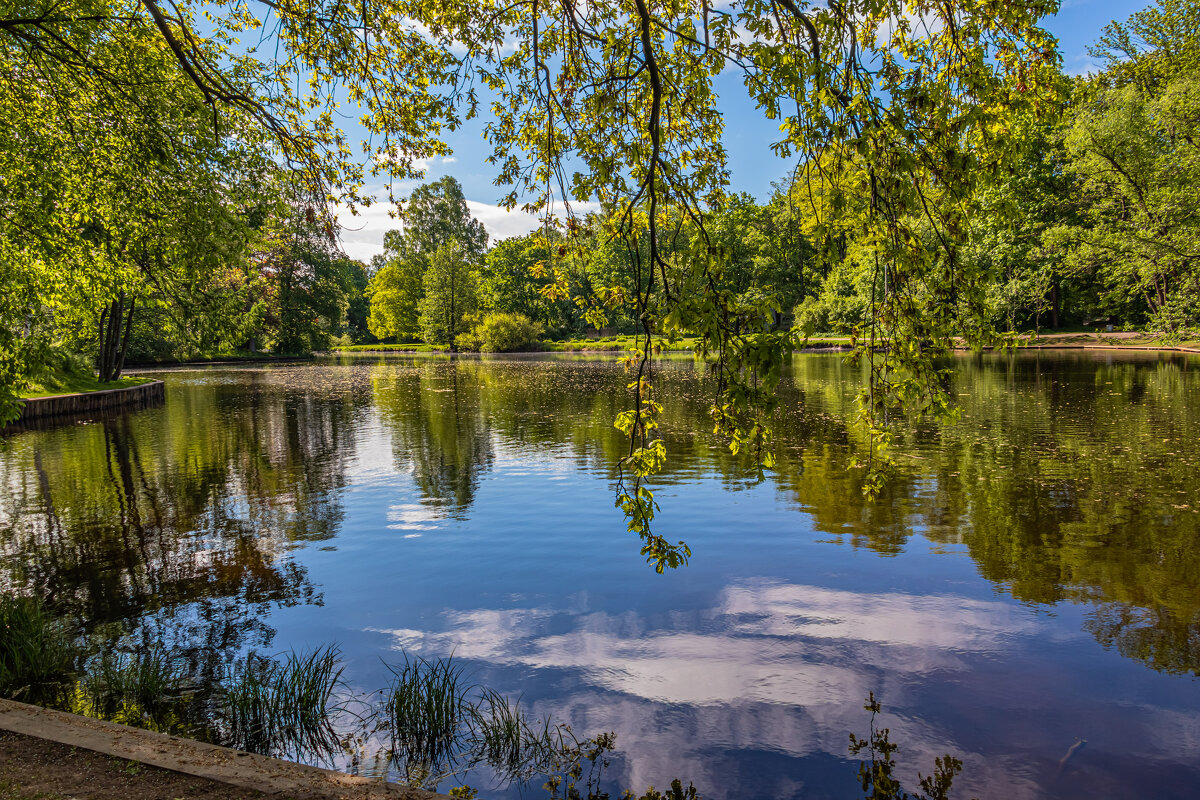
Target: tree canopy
<point x="916" y="127"/>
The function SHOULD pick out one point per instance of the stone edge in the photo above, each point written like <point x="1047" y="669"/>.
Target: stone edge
<point x="233" y="767"/>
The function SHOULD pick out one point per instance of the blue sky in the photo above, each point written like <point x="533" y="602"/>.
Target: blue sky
<point x="748" y="136"/>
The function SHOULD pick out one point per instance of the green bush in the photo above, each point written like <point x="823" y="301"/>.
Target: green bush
<point x="501" y="332"/>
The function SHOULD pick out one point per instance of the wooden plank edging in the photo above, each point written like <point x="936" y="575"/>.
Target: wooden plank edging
<point x="221" y="764"/>
<point x="139" y="396"/>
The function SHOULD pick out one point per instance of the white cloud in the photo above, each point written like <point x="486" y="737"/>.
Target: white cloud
<point x="361" y="234"/>
<point x="772" y="651"/>
<point x="501" y="223"/>
<point x="771" y="665"/>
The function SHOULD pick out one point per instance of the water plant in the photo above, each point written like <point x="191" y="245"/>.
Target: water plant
<point x="283" y="707"/>
<point x="442" y="726"/>
<point x="426" y="712"/>
<point x="876" y="775"/>
<point x="145" y="684"/>
<point x="39" y="654"/>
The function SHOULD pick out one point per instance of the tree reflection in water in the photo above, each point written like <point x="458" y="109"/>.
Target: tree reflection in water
<point x="1070" y="480"/>
<point x="173" y="527"/>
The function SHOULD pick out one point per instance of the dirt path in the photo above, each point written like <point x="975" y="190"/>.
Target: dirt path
<point x="37" y="769"/>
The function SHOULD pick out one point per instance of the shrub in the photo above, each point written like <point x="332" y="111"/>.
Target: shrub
<point x="501" y="332"/>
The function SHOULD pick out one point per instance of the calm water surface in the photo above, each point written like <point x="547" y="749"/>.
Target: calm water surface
<point x="1030" y="578"/>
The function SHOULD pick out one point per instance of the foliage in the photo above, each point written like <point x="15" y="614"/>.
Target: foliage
<point x="450" y="283"/>
<point x="395" y="293"/>
<point x="119" y="193"/>
<point x="309" y="281"/>
<point x="1136" y="157"/>
<point x="500" y="332"/>
<point x="434" y="217"/>
<point x="518" y="277"/>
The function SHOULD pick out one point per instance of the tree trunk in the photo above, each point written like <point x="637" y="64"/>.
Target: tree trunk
<point x="124" y="343"/>
<point x="114" y="338"/>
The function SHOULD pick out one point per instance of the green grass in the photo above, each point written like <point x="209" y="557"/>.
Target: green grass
<point x="73" y="384"/>
<point x="38" y="654"/>
<point x="391" y="348"/>
<point x="284" y="707"/>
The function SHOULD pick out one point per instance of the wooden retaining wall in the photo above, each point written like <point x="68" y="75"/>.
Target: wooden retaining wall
<point x="132" y="397"/>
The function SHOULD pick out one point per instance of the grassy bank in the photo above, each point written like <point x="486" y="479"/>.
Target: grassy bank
<point x="76" y="384"/>
<point x="391" y="348"/>
<point x="616" y="344"/>
<point x="608" y="344"/>
<point x="1105" y="339"/>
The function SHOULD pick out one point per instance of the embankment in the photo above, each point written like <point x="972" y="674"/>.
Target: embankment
<point x="144" y="395"/>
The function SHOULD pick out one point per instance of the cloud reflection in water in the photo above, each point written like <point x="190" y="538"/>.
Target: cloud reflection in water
<point x="773" y="667"/>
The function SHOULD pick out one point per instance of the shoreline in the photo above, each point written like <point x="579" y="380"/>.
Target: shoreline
<point x="236" y="768"/>
<point x="829" y="345"/>
<point x="38" y="409"/>
<point x="149" y="366"/>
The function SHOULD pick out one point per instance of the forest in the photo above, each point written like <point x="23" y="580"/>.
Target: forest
<point x="151" y="214"/>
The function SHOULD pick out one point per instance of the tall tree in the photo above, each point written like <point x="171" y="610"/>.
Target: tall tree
<point x="518" y="278"/>
<point x="120" y="195"/>
<point x="312" y="280"/>
<point x="1134" y="143"/>
<point x="451" y="293"/>
<point x="436" y="214"/>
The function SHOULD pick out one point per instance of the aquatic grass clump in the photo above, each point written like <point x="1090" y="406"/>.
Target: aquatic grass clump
<point x="426" y="712"/>
<point x="39" y="655"/>
<point x="284" y="707"/>
<point x="442" y="726"/>
<point x="503" y="733"/>
<point x="137" y="688"/>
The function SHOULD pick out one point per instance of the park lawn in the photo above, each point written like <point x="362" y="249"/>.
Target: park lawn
<point x="77" y="384"/>
<point x="390" y="348"/>
<point x="614" y="343"/>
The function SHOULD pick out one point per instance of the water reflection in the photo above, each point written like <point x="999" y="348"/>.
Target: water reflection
<point x="1068" y="486"/>
<point x="175" y="526"/>
<point x="439" y="435"/>
<point x="776" y="673"/>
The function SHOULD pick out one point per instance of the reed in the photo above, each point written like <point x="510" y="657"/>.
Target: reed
<point x="148" y="680"/>
<point x="427" y="714"/>
<point x="284" y="707"/>
<point x="39" y="656"/>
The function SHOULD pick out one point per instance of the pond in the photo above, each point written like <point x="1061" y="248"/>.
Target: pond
<point x="1024" y="595"/>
